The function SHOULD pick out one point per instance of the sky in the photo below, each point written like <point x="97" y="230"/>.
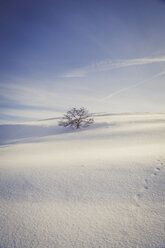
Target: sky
<point x="108" y="56"/>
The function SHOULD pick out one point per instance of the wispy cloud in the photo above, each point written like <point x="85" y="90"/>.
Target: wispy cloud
<point x="38" y="102"/>
<point x="29" y="102"/>
<point x="29" y="113"/>
<point x="112" y="64"/>
<point x="32" y="95"/>
<point x="129" y="87"/>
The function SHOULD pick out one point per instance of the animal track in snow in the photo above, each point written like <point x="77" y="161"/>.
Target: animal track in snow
<point x="145" y="185"/>
<point x="138" y="195"/>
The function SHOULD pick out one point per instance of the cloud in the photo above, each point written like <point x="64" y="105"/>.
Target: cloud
<point x="131" y="86"/>
<point x="112" y="64"/>
<point x="31" y="95"/>
<point x="29" y="113"/>
<point x="27" y="102"/>
<point x="38" y="102"/>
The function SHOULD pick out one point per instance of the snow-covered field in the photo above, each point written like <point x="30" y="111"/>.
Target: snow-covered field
<point x="99" y="187"/>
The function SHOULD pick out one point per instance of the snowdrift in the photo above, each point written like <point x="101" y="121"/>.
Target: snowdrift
<point x="103" y="186"/>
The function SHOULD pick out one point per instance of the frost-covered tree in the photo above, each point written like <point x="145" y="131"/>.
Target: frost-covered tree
<point x="76" y="118"/>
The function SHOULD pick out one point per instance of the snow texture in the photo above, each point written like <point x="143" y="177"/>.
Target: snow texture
<point x="103" y="186"/>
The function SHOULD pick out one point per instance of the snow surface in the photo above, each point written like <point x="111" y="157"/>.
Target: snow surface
<point x="99" y="187"/>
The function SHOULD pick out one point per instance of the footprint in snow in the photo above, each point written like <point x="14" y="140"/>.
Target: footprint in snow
<point x="145" y="186"/>
<point x="138" y="195"/>
<point x="154" y="174"/>
<point x="160" y="162"/>
<point x="146" y="180"/>
<point x="156" y="169"/>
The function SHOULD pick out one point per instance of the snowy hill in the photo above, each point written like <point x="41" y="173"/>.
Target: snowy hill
<point x="103" y="186"/>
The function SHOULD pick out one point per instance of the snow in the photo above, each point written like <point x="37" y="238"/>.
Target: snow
<point x="103" y="186"/>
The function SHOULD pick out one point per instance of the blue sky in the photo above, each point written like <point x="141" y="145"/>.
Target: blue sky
<point x="105" y="55"/>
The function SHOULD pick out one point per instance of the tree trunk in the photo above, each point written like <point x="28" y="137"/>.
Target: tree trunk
<point x="78" y="125"/>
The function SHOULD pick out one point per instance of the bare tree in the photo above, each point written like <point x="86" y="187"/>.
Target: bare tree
<point x="76" y="118"/>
